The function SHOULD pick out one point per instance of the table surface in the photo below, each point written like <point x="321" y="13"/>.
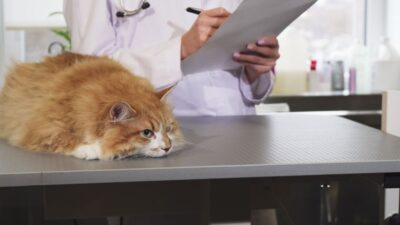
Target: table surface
<point x="225" y="147"/>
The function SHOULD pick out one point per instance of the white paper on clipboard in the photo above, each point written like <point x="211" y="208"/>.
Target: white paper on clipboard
<point x="251" y="20"/>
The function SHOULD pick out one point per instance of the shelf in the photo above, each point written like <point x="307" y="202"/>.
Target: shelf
<point x="34" y="25"/>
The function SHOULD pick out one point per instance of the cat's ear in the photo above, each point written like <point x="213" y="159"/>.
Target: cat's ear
<point x="163" y="93"/>
<point x="121" y="111"/>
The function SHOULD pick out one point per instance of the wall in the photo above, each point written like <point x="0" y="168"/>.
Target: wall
<point x="376" y="28"/>
<point x="392" y="22"/>
<point x="1" y="44"/>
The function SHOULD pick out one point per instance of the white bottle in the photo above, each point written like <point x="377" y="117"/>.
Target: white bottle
<point x="325" y="77"/>
<point x="386" y="52"/>
<point x="291" y="70"/>
<point x="360" y="62"/>
<point x="386" y="68"/>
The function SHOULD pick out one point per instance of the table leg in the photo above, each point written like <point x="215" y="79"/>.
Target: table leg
<point x="263" y="217"/>
<point x="263" y="205"/>
<point x="391" y="201"/>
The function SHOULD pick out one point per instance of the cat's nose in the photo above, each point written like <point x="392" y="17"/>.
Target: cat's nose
<point x="166" y="149"/>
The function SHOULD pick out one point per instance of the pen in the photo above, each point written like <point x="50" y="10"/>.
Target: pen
<point x="193" y="10"/>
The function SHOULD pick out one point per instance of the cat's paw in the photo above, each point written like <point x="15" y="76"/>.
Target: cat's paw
<point x="88" y="151"/>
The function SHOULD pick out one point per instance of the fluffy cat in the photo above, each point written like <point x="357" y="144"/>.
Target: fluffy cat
<point x="85" y="106"/>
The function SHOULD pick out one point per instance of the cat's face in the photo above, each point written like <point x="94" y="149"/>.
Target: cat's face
<point x="149" y="131"/>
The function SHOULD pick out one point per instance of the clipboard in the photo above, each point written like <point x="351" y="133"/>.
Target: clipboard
<point x="253" y="19"/>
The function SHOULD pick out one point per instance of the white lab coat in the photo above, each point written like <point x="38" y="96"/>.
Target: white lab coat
<point x="149" y="45"/>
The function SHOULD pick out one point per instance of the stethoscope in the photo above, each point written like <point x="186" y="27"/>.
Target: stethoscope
<point x="126" y="12"/>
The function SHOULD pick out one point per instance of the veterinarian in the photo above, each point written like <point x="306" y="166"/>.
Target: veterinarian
<point x="151" y="40"/>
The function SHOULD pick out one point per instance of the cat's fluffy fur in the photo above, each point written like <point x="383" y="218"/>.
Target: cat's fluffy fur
<point x="85" y="106"/>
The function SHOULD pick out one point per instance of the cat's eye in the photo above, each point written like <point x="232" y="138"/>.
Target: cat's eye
<point x="168" y="129"/>
<point x="147" y="133"/>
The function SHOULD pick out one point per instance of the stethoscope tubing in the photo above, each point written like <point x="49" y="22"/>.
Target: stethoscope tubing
<point x="128" y="12"/>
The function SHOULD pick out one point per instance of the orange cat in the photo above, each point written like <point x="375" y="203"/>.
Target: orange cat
<point x="85" y="106"/>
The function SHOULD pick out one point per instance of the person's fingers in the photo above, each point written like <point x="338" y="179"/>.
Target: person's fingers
<point x="215" y="22"/>
<point x="216" y="12"/>
<point x="207" y="30"/>
<point x="259" y="57"/>
<point x="205" y="33"/>
<point x="253" y="59"/>
<point x="270" y="41"/>
<point x="258" y="69"/>
<point x="205" y="26"/>
<point x="264" y="51"/>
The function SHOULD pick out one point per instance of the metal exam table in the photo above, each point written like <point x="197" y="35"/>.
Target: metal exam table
<point x="234" y="169"/>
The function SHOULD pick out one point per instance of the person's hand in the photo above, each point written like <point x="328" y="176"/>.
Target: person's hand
<point x="203" y="28"/>
<point x="259" y="57"/>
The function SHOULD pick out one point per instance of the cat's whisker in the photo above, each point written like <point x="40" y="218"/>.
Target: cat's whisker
<point x="188" y="142"/>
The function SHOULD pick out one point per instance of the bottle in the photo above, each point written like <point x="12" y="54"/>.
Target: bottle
<point x="337" y="76"/>
<point x="291" y="71"/>
<point x="360" y="62"/>
<point x="325" y="78"/>
<point x="313" y="78"/>
<point x="386" y="52"/>
<point x="386" y="68"/>
<point x="352" y="80"/>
